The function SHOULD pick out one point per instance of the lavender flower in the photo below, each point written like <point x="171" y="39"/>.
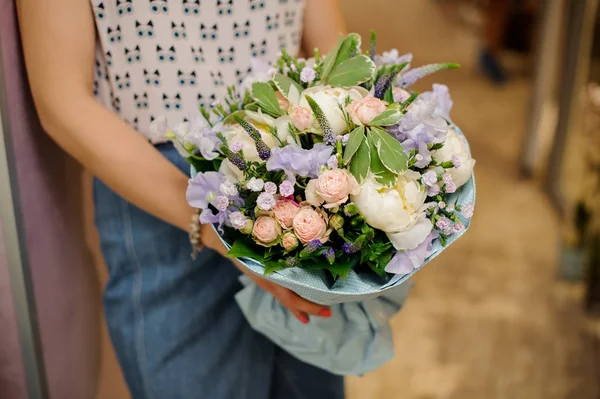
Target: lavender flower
<point x="328" y="136"/>
<point x="433" y="190"/>
<point x="441" y="95"/>
<point x="458" y="227"/>
<point x="263" y="150"/>
<point x="429" y="178"/>
<point x="291" y="261"/>
<point x="467" y="210"/>
<point x="236" y="159"/>
<point x="312" y="246"/>
<point x="270" y="188"/>
<point x="418" y="128"/>
<point x="286" y="188"/>
<point x="228" y="189"/>
<point x="222" y="203"/>
<point x="255" y="184"/>
<point x="332" y="162"/>
<point x="308" y="75"/>
<point x="237" y="220"/>
<point x="451" y="188"/>
<point x="295" y="160"/>
<point x="456" y="161"/>
<point x="410" y="77"/>
<point x="350" y="248"/>
<point x="329" y="254"/>
<point x="447" y="178"/>
<point x="443" y="223"/>
<point x="404" y="262"/>
<point x="265" y="201"/>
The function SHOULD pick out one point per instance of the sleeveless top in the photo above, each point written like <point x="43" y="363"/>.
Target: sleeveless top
<point x="167" y="57"/>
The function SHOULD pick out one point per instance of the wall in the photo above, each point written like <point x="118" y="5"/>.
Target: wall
<point x="65" y="281"/>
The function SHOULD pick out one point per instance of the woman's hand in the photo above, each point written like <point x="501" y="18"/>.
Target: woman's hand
<point x="300" y="307"/>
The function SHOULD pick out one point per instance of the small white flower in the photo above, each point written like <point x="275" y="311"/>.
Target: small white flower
<point x="229" y="189"/>
<point x="255" y="184"/>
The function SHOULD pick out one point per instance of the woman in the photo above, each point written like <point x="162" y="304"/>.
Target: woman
<point x="177" y="330"/>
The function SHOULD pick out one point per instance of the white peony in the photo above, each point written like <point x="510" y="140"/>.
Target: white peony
<point x="329" y="99"/>
<point x="398" y="211"/>
<point x="456" y="145"/>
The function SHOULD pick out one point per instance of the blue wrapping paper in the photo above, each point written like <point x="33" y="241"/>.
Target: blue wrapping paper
<point x="357" y="338"/>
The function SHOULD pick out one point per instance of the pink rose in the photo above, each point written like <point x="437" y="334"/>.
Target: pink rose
<point x="309" y="225"/>
<point x="284" y="104"/>
<point x="364" y="111"/>
<point x="284" y="211"/>
<point x="289" y="241"/>
<point x="302" y="117"/>
<point x="333" y="187"/>
<point x="266" y="230"/>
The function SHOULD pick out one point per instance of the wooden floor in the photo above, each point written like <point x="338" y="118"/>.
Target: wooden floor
<point x="488" y="319"/>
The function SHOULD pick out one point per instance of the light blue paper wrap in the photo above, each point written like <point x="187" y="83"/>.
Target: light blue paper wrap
<point x="357" y="338"/>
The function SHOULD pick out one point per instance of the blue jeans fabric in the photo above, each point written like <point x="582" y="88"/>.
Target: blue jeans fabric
<point x="176" y="328"/>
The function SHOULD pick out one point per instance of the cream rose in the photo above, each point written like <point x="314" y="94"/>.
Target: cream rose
<point x="365" y="110"/>
<point x="332" y="187"/>
<point x="456" y="146"/>
<point x="285" y="211"/>
<point x="266" y="230"/>
<point x="309" y="225"/>
<point x="399" y="211"/>
<point x="329" y="99"/>
<point x="302" y="117"/>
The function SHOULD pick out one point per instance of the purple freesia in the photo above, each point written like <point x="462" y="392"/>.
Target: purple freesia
<point x="441" y="94"/>
<point x="420" y="127"/>
<point x="295" y="160"/>
<point x="404" y="262"/>
<point x="204" y="190"/>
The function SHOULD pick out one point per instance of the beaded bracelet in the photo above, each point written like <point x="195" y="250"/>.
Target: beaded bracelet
<point x="195" y="236"/>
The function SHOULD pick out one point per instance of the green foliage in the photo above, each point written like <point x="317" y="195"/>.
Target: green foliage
<point x="361" y="162"/>
<point x="387" y="118"/>
<point x="202" y="165"/>
<point x="391" y="153"/>
<point x="288" y="87"/>
<point x="265" y="97"/>
<point x="382" y="174"/>
<point x="354" y="142"/>
<point x="245" y="248"/>
<point x="352" y="72"/>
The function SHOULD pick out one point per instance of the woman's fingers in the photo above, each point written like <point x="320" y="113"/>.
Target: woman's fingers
<point x="295" y="301"/>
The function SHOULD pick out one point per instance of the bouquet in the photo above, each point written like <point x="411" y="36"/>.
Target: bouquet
<point x="330" y="177"/>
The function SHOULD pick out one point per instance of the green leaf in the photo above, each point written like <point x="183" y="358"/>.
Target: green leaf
<point x="348" y="49"/>
<point x="391" y="153"/>
<point x="389" y="95"/>
<point x="354" y="141"/>
<point x="361" y="162"/>
<point x="352" y="72"/>
<point x="288" y="87"/>
<point x="387" y="118"/>
<point x="342" y="266"/>
<point x="244" y="248"/>
<point x="274" y="266"/>
<point x="230" y="120"/>
<point x="265" y="96"/>
<point x="329" y="61"/>
<point x="252" y="107"/>
<point x="382" y="174"/>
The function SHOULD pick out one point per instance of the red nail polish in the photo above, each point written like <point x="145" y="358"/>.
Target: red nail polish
<point x="303" y="319"/>
<point x="325" y="313"/>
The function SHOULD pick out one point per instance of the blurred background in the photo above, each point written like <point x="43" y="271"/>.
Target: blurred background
<point x="510" y="311"/>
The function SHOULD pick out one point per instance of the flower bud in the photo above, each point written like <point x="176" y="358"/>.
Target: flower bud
<point x="357" y="221"/>
<point x="351" y="209"/>
<point x="289" y="241"/>
<point x="336" y="222"/>
<point x="247" y="229"/>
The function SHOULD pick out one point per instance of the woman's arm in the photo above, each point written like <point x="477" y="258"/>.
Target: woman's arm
<point x="58" y="39"/>
<point x="323" y="23"/>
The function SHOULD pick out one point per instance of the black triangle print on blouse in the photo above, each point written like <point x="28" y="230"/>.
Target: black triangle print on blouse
<point x="224" y="7"/>
<point x="166" y="55"/>
<point x="209" y="33"/>
<point x="144" y="30"/>
<point x="241" y="29"/>
<point x="198" y="55"/>
<point x="191" y="7"/>
<point x="159" y="6"/>
<point x="255" y="5"/>
<point x="186" y="79"/>
<point x="152" y="78"/>
<point x="178" y="30"/>
<point x="124" y="7"/>
<point x="133" y="55"/>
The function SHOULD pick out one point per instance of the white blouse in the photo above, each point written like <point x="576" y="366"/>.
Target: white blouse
<point x="167" y="57"/>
